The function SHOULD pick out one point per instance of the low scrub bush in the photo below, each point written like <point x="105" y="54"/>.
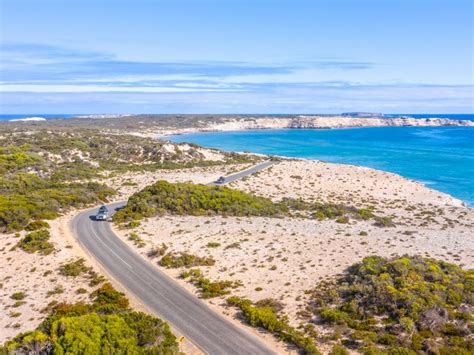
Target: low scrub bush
<point x="208" y="288"/>
<point x="37" y="241"/>
<point x="266" y="318"/>
<point x="404" y="303"/>
<point x="74" y="268"/>
<point x="177" y="260"/>
<point x="35" y="225"/>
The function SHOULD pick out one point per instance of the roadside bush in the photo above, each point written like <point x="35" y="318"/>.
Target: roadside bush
<point x="24" y="197"/>
<point x="266" y="318"/>
<point x="196" y="200"/>
<point x="211" y="289"/>
<point x="208" y="288"/>
<point x="107" y="326"/>
<point x="107" y="299"/>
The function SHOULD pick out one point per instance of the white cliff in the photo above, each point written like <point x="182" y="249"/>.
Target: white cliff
<point x="321" y="122"/>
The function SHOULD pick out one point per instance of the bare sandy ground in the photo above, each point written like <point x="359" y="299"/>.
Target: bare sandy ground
<point x="39" y="278"/>
<point x="281" y="258"/>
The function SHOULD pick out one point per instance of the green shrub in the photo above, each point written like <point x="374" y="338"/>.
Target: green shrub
<point x="37" y="241"/>
<point x="275" y="305"/>
<point x="177" y="260"/>
<point x="35" y="225"/>
<point x="338" y="212"/>
<point x="137" y="240"/>
<point x="18" y="296"/>
<point x="213" y="245"/>
<point x="107" y="299"/>
<point x="74" y="268"/>
<point x="338" y="350"/>
<point x="334" y="316"/>
<point x="400" y="303"/>
<point x="266" y="318"/>
<point x="211" y="289"/>
<point x="87" y="329"/>
<point x="197" y="200"/>
<point x="342" y="219"/>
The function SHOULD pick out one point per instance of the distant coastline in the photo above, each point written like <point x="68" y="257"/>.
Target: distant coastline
<point x="450" y="116"/>
<point x="318" y="122"/>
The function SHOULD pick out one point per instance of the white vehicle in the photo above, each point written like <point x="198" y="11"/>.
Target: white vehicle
<point x="102" y="214"/>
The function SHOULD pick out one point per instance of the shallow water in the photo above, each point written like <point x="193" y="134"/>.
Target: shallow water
<point x="440" y="157"/>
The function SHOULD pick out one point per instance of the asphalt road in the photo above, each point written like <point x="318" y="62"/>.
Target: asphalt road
<point x="254" y="169"/>
<point x="208" y="330"/>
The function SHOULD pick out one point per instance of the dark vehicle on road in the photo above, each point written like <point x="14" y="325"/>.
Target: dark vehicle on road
<point x="221" y="180"/>
<point x="102" y="214"/>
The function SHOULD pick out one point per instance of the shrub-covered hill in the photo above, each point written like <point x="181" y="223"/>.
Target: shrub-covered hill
<point x="197" y="200"/>
<point x="42" y="173"/>
<point x="402" y="305"/>
<point x="25" y="194"/>
<point x="106" y="326"/>
<point x="65" y="153"/>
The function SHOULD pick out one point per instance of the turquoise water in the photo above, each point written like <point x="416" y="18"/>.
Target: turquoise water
<point x="440" y="157"/>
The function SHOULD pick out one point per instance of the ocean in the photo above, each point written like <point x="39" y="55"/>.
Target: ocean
<point x="442" y="158"/>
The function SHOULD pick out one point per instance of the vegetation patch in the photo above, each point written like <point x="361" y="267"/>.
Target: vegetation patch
<point x="197" y="200"/>
<point x="37" y="241"/>
<point x="30" y="188"/>
<point x="208" y="288"/>
<point x="137" y="240"/>
<point x="265" y="316"/>
<point x="45" y="172"/>
<point x="106" y="326"/>
<point x="18" y="296"/>
<point x="400" y="305"/>
<point x="74" y="268"/>
<point x="35" y="225"/>
<point x="338" y="212"/>
<point x="177" y="260"/>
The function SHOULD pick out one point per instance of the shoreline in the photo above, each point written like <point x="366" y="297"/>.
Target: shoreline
<point x="457" y="201"/>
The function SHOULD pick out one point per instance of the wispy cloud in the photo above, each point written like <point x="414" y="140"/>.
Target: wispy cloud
<point x="28" y="64"/>
<point x="46" y="78"/>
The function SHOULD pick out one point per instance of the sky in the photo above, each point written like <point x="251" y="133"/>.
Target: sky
<point x="228" y="56"/>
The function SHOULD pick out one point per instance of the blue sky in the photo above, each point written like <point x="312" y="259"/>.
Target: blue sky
<point x="227" y="56"/>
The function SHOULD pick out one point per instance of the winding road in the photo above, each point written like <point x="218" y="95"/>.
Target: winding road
<point x="189" y="315"/>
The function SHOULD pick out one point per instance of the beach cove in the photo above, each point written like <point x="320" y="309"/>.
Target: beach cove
<point x="441" y="158"/>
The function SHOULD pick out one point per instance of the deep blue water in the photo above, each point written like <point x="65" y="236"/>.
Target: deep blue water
<point x="440" y="157"/>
